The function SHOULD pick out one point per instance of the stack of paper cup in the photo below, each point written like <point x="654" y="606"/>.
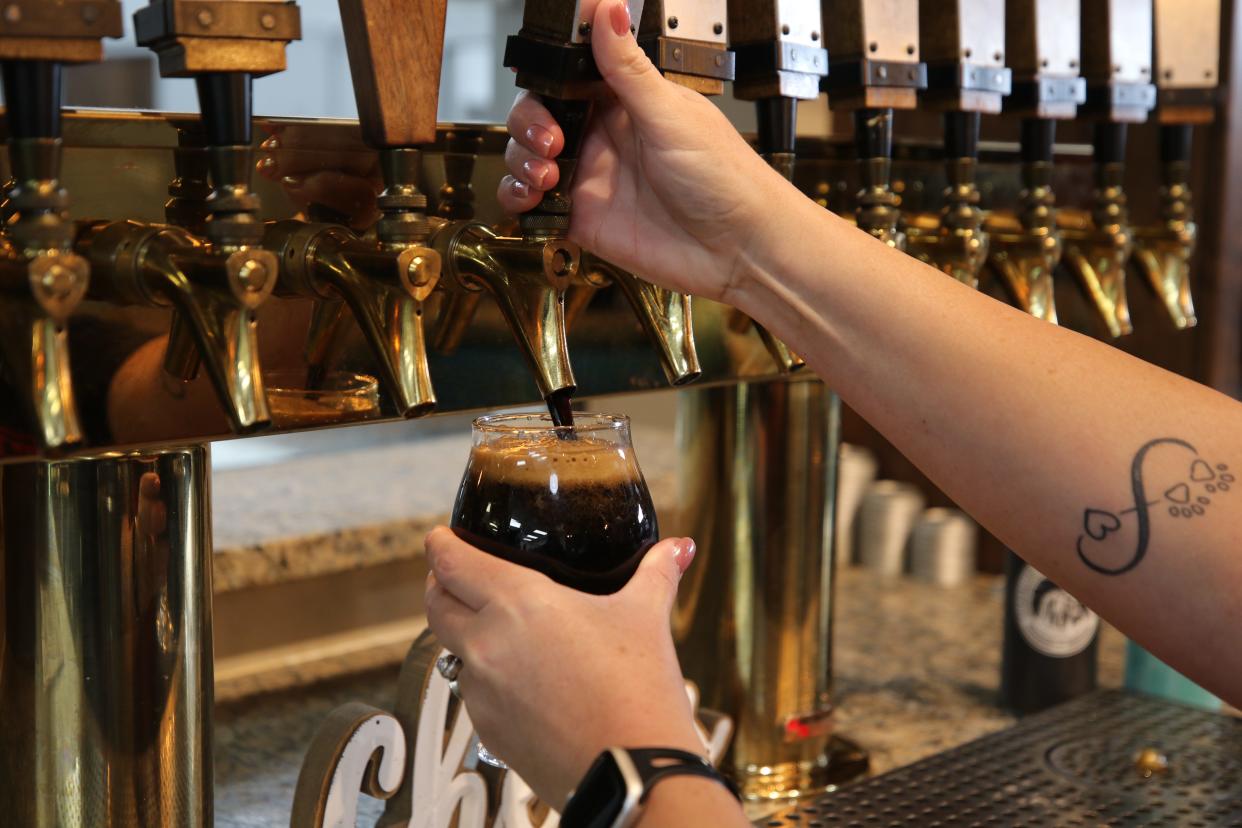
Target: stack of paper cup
<point x="855" y="473"/>
<point x="942" y="547"/>
<point x="885" y="519"/>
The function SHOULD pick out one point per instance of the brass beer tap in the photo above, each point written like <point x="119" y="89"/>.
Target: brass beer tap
<point x="1117" y="60"/>
<point x="1042" y="46"/>
<point x="42" y="280"/>
<point x="1187" y="37"/>
<point x="780" y="61"/>
<point x="964" y="45"/>
<point x="876" y="68"/>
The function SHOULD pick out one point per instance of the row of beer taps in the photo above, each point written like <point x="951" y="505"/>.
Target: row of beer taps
<point x="214" y="261"/>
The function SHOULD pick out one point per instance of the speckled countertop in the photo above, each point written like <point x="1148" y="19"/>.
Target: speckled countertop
<point x="917" y="669"/>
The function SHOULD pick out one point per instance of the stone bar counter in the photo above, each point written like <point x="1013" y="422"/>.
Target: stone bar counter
<point x="336" y="574"/>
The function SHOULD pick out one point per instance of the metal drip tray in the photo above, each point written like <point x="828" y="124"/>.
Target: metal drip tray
<point x="1109" y="758"/>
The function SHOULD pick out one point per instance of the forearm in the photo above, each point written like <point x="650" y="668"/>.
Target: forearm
<point x="1029" y="426"/>
<point x="691" y="801"/>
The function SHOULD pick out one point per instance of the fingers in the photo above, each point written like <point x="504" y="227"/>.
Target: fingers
<point x="534" y="128"/>
<point x="472" y="576"/>
<point x="660" y="572"/>
<point x="537" y="172"/>
<point x="625" y="66"/>
<point x="351" y="196"/>
<point x="516" y="196"/>
<point x="448" y="618"/>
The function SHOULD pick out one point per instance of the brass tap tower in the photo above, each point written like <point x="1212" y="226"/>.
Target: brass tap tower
<point x="964" y="45"/>
<point x="1042" y="43"/>
<point x="1187" y="81"/>
<point x="42" y="280"/>
<point x="875" y="69"/>
<point x="1117" y="61"/>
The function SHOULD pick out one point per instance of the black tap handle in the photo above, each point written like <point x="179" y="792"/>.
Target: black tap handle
<point x="227" y="106"/>
<point x="32" y="93"/>
<point x="1176" y="141"/>
<point x="778" y="125"/>
<point x="1110" y="143"/>
<point x="551" y="215"/>
<point x="961" y="134"/>
<point x="1039" y="138"/>
<point x="873" y="133"/>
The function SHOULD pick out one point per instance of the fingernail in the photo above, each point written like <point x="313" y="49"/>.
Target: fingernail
<point x="683" y="553"/>
<point x="293" y="180"/>
<point x="620" y="18"/>
<point x="536" y="173"/>
<point x="540" y="138"/>
<point x="266" y="164"/>
<point x="519" y="188"/>
<point x="270" y="143"/>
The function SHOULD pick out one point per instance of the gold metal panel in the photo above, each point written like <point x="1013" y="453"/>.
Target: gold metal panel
<point x="1187" y="44"/>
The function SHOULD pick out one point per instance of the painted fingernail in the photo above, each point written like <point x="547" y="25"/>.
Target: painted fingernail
<point x="683" y="553"/>
<point x="266" y="165"/>
<point x="619" y="16"/>
<point x="270" y="143"/>
<point x="519" y="188"/>
<point x="540" y="139"/>
<point x="536" y="173"/>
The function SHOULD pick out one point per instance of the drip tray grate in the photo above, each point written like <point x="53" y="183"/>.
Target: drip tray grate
<point x="1110" y="758"/>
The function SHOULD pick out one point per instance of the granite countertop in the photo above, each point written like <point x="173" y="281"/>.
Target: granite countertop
<point x="916" y="672"/>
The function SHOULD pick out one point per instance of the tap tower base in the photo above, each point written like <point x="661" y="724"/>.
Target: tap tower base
<point x="754" y="617"/>
<point x="105" y="641"/>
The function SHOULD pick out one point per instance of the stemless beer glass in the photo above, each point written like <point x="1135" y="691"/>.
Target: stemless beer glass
<point x="568" y="501"/>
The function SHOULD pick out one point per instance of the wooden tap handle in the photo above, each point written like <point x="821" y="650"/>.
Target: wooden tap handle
<point x="395" y="50"/>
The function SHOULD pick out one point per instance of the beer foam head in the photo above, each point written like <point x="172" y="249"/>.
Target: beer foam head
<point x="530" y="460"/>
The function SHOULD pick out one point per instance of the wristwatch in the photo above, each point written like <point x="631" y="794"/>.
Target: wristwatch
<point x="613" y="792"/>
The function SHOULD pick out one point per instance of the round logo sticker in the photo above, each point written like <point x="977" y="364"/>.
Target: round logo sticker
<point x="1052" y="621"/>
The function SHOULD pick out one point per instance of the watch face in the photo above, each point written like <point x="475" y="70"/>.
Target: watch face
<point x="600" y="797"/>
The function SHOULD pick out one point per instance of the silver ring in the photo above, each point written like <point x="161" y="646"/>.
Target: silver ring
<point x="449" y="666"/>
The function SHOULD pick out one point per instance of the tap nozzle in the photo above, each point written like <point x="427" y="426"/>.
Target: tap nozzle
<point x="213" y="295"/>
<point x="384" y="288"/>
<point x="1099" y="254"/>
<point x="666" y="317"/>
<point x="1163" y="251"/>
<point x="528" y="279"/>
<point x="1026" y="255"/>
<point x="42" y="280"/>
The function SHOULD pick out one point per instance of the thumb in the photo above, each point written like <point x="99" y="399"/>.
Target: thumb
<point x="660" y="572"/>
<point x="628" y="71"/>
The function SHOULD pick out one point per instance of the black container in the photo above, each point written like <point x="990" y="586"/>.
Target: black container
<point x="1051" y="642"/>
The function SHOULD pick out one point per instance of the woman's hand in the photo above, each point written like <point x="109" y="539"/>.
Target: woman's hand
<point x="343" y="184"/>
<point x="553" y="676"/>
<point x="666" y="187"/>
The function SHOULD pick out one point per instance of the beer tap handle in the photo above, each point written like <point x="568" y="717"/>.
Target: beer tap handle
<point x="551" y="216"/>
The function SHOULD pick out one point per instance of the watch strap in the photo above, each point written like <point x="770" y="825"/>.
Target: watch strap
<point x="656" y="764"/>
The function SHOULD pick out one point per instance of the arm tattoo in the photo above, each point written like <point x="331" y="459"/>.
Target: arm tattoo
<point x="1115" y="543"/>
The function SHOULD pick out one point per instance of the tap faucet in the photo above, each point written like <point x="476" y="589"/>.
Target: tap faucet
<point x="876" y="69"/>
<point x="214" y="282"/>
<point x="1117" y="60"/>
<point x="42" y="280"/>
<point x="963" y="42"/>
<point x="1187" y="86"/>
<point x="780" y="61"/>
<point x="1163" y="251"/>
<point x="1043" y="49"/>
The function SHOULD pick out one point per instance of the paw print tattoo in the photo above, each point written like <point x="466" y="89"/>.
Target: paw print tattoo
<point x="1187" y="499"/>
